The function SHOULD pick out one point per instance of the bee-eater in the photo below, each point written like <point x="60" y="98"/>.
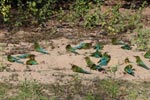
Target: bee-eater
<point x="126" y="46"/>
<point x="71" y="49"/>
<point x="31" y="60"/>
<point x="140" y="62"/>
<point x="38" y="48"/>
<point x="98" y="46"/>
<point x="84" y="46"/>
<point x="104" y="59"/>
<point x="78" y="69"/>
<point x="23" y="56"/>
<point x="147" y="54"/>
<point x="116" y="41"/>
<point x="13" y="59"/>
<point x="96" y="54"/>
<point x="89" y="62"/>
<point x="129" y="69"/>
<point x="126" y="60"/>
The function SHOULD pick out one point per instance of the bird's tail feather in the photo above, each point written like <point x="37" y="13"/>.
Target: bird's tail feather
<point x="20" y="62"/>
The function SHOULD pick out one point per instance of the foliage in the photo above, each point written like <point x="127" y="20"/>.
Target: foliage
<point x="3" y="89"/>
<point x="76" y="89"/>
<point x="27" y="12"/>
<point x="141" y="39"/>
<point x="81" y="7"/>
<point x="5" y="10"/>
<point x="29" y="90"/>
<point x="111" y="21"/>
<point x="85" y="13"/>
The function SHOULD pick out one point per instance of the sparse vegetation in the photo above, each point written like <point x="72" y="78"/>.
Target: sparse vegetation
<point x="141" y="39"/>
<point x="96" y="89"/>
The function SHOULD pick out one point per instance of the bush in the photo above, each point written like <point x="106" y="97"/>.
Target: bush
<point x="141" y="39"/>
<point x="28" y="12"/>
<point x="86" y="13"/>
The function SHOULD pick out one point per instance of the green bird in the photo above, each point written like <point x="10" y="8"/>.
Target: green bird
<point x="96" y="54"/>
<point x="126" y="46"/>
<point x="38" y="48"/>
<point x="115" y="41"/>
<point x="31" y="60"/>
<point x="23" y="56"/>
<point x="141" y="63"/>
<point x="104" y="59"/>
<point x="89" y="62"/>
<point x="129" y="69"/>
<point x="126" y="60"/>
<point x="84" y="46"/>
<point x="98" y="46"/>
<point x="13" y="59"/>
<point x="147" y="54"/>
<point x="78" y="69"/>
<point x="71" y="49"/>
<point x="93" y="66"/>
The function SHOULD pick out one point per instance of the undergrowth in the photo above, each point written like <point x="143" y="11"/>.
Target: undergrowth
<point x="76" y="89"/>
<point x="84" y="13"/>
<point x="141" y="39"/>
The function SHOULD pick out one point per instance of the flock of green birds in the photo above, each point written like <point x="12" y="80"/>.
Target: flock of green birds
<point x="104" y="58"/>
<point x="31" y="57"/>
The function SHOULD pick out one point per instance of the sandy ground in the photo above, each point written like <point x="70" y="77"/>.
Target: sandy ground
<point x="56" y="66"/>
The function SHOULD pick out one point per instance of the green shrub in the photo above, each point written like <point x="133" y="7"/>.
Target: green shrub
<point x="91" y="21"/>
<point x="5" y="10"/>
<point x="141" y="39"/>
<point x="85" y="13"/>
<point x="27" y="12"/>
<point x="89" y="15"/>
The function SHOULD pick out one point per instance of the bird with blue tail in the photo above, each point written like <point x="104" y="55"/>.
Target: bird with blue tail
<point x="141" y="63"/>
<point x="31" y="60"/>
<point x="92" y="65"/>
<point x="116" y="41"/>
<point x="147" y="54"/>
<point x="96" y="54"/>
<point x="127" y="61"/>
<point x="126" y="47"/>
<point x="98" y="46"/>
<point x="78" y="69"/>
<point x="129" y="69"/>
<point x="10" y="58"/>
<point x="38" y="48"/>
<point x="89" y="63"/>
<point x="83" y="45"/>
<point x="97" y="67"/>
<point x="69" y="48"/>
<point x="104" y="59"/>
<point x="24" y="56"/>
